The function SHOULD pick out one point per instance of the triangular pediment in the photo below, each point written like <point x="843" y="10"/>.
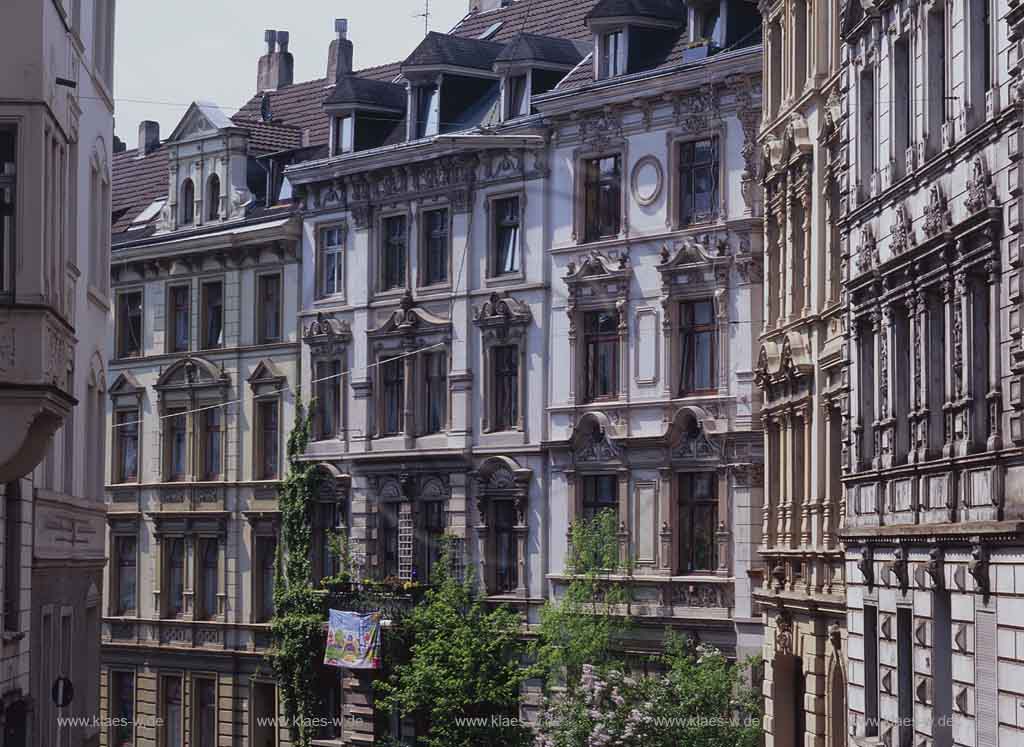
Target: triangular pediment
<point x="266" y="373"/>
<point x="126" y="383"/>
<point x="202" y="118"/>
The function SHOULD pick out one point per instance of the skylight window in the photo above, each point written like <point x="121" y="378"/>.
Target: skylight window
<point x="491" y="30"/>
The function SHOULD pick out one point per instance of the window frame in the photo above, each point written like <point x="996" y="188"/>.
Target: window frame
<point x="9" y="184"/>
<point x="119" y="475"/>
<point x="686" y="525"/>
<point x="201" y="610"/>
<point x="383" y="246"/>
<point x="425" y="235"/>
<point x="343" y="142"/>
<point x="254" y="715"/>
<point x="612" y="339"/>
<point x="385" y="361"/>
<point x="212" y="198"/>
<point x="319" y="431"/>
<point x="337" y="251"/>
<point x="261" y="593"/>
<point x="118" y="566"/>
<point x="588" y="483"/>
<point x="605" y="67"/>
<point x="260" y="442"/>
<point x="168" y="542"/>
<point x="711" y="327"/>
<point x="169" y="474"/>
<point x="494" y="273"/>
<point x="591" y="231"/>
<point x="187" y="202"/>
<point x="198" y="682"/>
<point x="684" y="220"/>
<point x="498" y="423"/>
<point x="171" y="315"/>
<point x="120" y="720"/>
<point x="204" y="313"/>
<point x="423" y="363"/>
<point x="121" y="323"/>
<point x="262" y="309"/>
<point x="166" y="677"/>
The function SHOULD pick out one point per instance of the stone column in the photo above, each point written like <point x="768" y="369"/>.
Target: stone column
<point x="948" y="299"/>
<point x="521" y="530"/>
<point x="409" y="398"/>
<point x="922" y="375"/>
<point x="791" y="238"/>
<point x="810" y="507"/>
<point x="573" y="363"/>
<point x="158" y="577"/>
<point x="665" y="554"/>
<point x="994" y="396"/>
<point x="785" y="477"/>
<point x="880" y="385"/>
<point x="771" y="465"/>
<point x="887" y="386"/>
<point x="826" y="535"/>
<point x="485" y="569"/>
<point x="189" y="573"/>
<point x="805" y="199"/>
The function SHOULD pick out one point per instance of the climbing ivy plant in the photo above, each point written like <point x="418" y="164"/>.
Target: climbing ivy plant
<point x="297" y="625"/>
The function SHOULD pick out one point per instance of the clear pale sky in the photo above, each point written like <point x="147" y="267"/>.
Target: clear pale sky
<point x="177" y="51"/>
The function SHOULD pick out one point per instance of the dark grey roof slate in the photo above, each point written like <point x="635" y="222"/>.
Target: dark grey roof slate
<point x="664" y="10"/>
<point x="457" y="51"/>
<point x="536" y="48"/>
<point x="351" y="89"/>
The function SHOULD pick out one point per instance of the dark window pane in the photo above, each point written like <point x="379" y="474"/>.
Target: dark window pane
<point x="128" y="445"/>
<point x="435" y="240"/>
<point x="176" y="578"/>
<point x="603" y="197"/>
<point x="179" y="318"/>
<point x="213" y="315"/>
<point x="270" y="308"/>
<point x="698" y="348"/>
<point x="506" y="235"/>
<point x="436" y="404"/>
<point x="188" y="205"/>
<point x="270" y="439"/>
<point x="506" y="387"/>
<point x="178" y="443"/>
<point x="212" y="444"/>
<point x="506" y="566"/>
<point x="126" y="575"/>
<point x="698" y="515"/>
<point x="328" y="388"/>
<point x="600" y="493"/>
<point x="601" y="330"/>
<point x="393" y="250"/>
<point x="393" y="377"/>
<point x="698" y="180"/>
<point x="130" y="324"/>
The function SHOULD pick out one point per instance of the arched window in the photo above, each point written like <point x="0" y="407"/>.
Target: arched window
<point x="188" y="203"/>
<point x="213" y="197"/>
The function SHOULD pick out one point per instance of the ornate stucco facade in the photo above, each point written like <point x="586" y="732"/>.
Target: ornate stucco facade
<point x="799" y="371"/>
<point x="56" y="131"/>
<point x="933" y="426"/>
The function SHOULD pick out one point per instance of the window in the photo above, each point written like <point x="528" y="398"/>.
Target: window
<point x="868" y="141"/>
<point x="179" y="315"/>
<point x="213" y="197"/>
<point x="901" y="107"/>
<point x="601" y="331"/>
<point x="126" y="581"/>
<point x="870" y="670"/>
<point x="603" y="197"/>
<point x="204" y="719"/>
<point x="427" y="111"/>
<point x="171" y="712"/>
<point x="516" y="96"/>
<point x="176" y="433"/>
<point x="327" y="524"/>
<point x="600" y="493"/>
<point x="344" y="129"/>
<point x="698" y="181"/>
<point x="506" y="236"/>
<point x="264" y="713"/>
<point x="328" y="395"/>
<point x="213" y="315"/>
<point x="332" y="243"/>
<point x="188" y="203"/>
<point x="393" y="252"/>
<point x="435" y="391"/>
<point x="389" y="539"/>
<point x="905" y="674"/>
<point x="505" y="362"/>
<point x="175" y="576"/>
<point x="127" y="440"/>
<point x="12" y="556"/>
<point x="269" y="451"/>
<point x="103" y="44"/>
<point x="435" y="247"/>
<point x="433" y="522"/>
<point x="122" y="723"/>
<point x="269" y="309"/>
<point x="209" y="563"/>
<point x="697" y="332"/>
<point x="698" y="521"/>
<point x="611" y="55"/>
<point x="393" y="391"/>
<point x="8" y="182"/>
<point x="937" y="75"/>
<point x="505" y="552"/>
<point x="129" y="324"/>
<point x="265" y="554"/>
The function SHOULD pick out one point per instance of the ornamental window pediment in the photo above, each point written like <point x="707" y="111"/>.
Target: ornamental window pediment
<point x="503" y="316"/>
<point x="502" y="491"/>
<point x="691" y="264"/>
<point x="408" y="320"/>
<point x="591" y="440"/>
<point x="789" y="360"/>
<point x="326" y="335"/>
<point x="192" y="373"/>
<point x="692" y="436"/>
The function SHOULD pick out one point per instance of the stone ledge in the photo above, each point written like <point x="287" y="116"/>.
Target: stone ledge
<point x="971" y="531"/>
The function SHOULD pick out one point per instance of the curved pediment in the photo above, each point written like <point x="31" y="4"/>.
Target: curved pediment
<point x="689" y="435"/>
<point x="498" y="473"/>
<point x="192" y="372"/>
<point x="325" y="326"/>
<point x="791" y="358"/>
<point x="690" y="251"/>
<point x="409" y="319"/>
<point x="595" y="265"/>
<point x="591" y="439"/>
<point x="502" y="309"/>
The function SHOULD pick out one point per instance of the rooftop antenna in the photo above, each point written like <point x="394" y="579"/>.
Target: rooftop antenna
<point x="425" y="15"/>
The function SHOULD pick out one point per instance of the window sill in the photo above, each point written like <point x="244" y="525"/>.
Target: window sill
<point x="442" y="287"/>
<point x="331" y="299"/>
<point x="506" y="278"/>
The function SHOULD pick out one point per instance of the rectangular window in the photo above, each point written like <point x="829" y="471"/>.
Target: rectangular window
<point x="8" y="183"/>
<point x="129" y="324"/>
<point x="127" y="440"/>
<point x="602" y="197"/>
<point x="122" y="697"/>
<point x="327" y="523"/>
<point x="516" y="96"/>
<point x="698" y="181"/>
<point x="175" y="576"/>
<point x="328" y="399"/>
<point x="204" y="713"/>
<point x="601" y="332"/>
<point x="600" y="493"/>
<point x="901" y="106"/>
<point x="393" y="391"/>
<point x="870" y="670"/>
<point x="269" y="308"/>
<point x="393" y="243"/>
<point x="505" y="362"/>
<point x="506" y="565"/>
<point x="171" y="712"/>
<point x="868" y="139"/>
<point x="698" y="520"/>
<point x="611" y="55"/>
<point x="263" y="714"/>
<point x="942" y="668"/>
<point x="506" y="236"/>
<point x="213" y="315"/>
<point x="270" y="439"/>
<point x="178" y="315"/>
<point x="435" y="247"/>
<point x="332" y="244"/>
<point x="427" y="111"/>
<point x="265" y="552"/>
<point x="213" y="435"/>
<point x="389" y="539"/>
<point x="209" y="563"/>
<point x="433" y="523"/>
<point x="344" y="128"/>
<point x="698" y="351"/>
<point x="12" y="558"/>
<point x="937" y="76"/>
<point x="905" y="674"/>
<point x="126" y="559"/>
<point x="176" y="433"/>
<point x="435" y="391"/>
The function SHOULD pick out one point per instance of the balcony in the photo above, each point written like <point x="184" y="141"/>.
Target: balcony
<point x="36" y="350"/>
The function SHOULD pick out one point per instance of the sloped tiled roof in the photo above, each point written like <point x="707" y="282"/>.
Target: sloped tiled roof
<point x="352" y="89"/>
<point x="457" y="51"/>
<point x="534" y="47"/>
<point x="270" y="137"/>
<point x="135" y="184"/>
<point x="562" y="18"/>
<point x="663" y="10"/>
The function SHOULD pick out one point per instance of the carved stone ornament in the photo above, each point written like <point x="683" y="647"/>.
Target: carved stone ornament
<point x="902" y="233"/>
<point x="602" y="128"/>
<point x="934" y="568"/>
<point x="501" y="309"/>
<point x="980" y="191"/>
<point x="361" y="216"/>
<point x="696" y="445"/>
<point x="866" y="566"/>
<point x="936" y="213"/>
<point x="784" y="636"/>
<point x="900" y="569"/>
<point x="867" y="255"/>
<point x="409" y="319"/>
<point x="978" y="568"/>
<point x="324" y="326"/>
<point x="598" y="447"/>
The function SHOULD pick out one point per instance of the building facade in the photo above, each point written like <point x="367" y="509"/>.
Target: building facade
<point x="205" y="279"/>
<point x="56" y="129"/>
<point x="800" y="374"/>
<point x="930" y="227"/>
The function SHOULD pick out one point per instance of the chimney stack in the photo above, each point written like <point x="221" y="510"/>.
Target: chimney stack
<point x="149" y="138"/>
<point x="339" y="58"/>
<point x="277" y="66"/>
<point x="482" y="6"/>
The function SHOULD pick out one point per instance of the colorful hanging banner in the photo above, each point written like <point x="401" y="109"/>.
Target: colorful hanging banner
<point x="353" y="640"/>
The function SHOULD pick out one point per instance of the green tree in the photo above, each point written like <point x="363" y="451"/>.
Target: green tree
<point x="297" y="625"/>
<point x="464" y="667"/>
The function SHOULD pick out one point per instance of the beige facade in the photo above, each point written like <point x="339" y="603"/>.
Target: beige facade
<point x="56" y="128"/>
<point x="799" y="370"/>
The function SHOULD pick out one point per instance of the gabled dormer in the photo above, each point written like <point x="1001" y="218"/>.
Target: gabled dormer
<point x="208" y="180"/>
<point x="364" y="113"/>
<point x="530" y="65"/>
<point x="634" y="35"/>
<point x="451" y="84"/>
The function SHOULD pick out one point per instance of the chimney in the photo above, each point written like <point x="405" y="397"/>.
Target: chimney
<point x="277" y="66"/>
<point x="482" y="6"/>
<point x="149" y="138"/>
<point x="339" y="58"/>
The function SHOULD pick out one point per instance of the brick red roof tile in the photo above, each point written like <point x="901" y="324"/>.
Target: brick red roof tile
<point x="135" y="184"/>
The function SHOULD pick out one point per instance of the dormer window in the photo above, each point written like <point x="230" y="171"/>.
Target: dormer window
<point x="188" y="203"/>
<point x="612" y="54"/>
<point x="427" y="111"/>
<point x="516" y="96"/>
<point x="344" y="134"/>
